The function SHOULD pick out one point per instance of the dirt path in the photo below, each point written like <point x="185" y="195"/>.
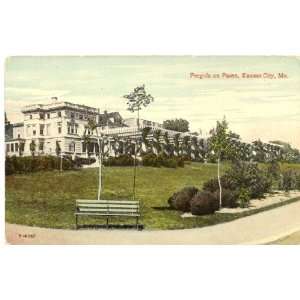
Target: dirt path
<point x="260" y="228"/>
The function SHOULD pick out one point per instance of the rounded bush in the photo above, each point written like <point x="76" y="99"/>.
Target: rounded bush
<point x="204" y="203"/>
<point x="182" y="200"/>
<point x="229" y="198"/>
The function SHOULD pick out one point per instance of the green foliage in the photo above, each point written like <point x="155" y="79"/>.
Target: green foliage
<point x="244" y="197"/>
<point x="180" y="125"/>
<point x="229" y="198"/>
<point x="138" y="98"/>
<point x="181" y="200"/>
<point x="161" y="160"/>
<point x="219" y="141"/>
<point x="273" y="169"/>
<point x="122" y="160"/>
<point x="204" y="203"/>
<point x="241" y="175"/>
<point x="47" y="199"/>
<point x="287" y="181"/>
<point x="250" y="176"/>
<point x="21" y="165"/>
<point x="84" y="160"/>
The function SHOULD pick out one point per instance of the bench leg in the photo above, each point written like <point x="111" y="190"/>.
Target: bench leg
<point x="137" y="222"/>
<point x="76" y="227"/>
<point x="107" y="223"/>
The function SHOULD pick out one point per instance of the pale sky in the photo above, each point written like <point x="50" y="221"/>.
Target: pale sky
<point x="255" y="108"/>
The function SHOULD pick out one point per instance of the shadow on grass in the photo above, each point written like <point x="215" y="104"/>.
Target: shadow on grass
<point x="163" y="208"/>
<point x="111" y="226"/>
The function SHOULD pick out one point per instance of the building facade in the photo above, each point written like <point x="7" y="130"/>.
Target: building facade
<point x="61" y="125"/>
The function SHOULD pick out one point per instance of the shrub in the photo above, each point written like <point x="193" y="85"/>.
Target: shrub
<point x="161" y="160"/>
<point x="248" y="175"/>
<point x="297" y="181"/>
<point x="286" y="182"/>
<point x="9" y="166"/>
<point x="244" y="197"/>
<point x="84" y="160"/>
<point x="204" y="203"/>
<point x="229" y="198"/>
<point x="122" y="160"/>
<point x="212" y="185"/>
<point x="30" y="164"/>
<point x="180" y="161"/>
<point x="182" y="199"/>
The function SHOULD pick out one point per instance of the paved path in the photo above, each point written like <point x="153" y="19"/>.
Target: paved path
<point x="260" y="228"/>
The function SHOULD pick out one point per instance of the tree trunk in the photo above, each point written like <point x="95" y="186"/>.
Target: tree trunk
<point x="219" y="181"/>
<point x="134" y="162"/>
<point x="61" y="160"/>
<point x="100" y="172"/>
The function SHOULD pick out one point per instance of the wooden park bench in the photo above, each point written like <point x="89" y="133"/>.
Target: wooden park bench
<point x="107" y="209"/>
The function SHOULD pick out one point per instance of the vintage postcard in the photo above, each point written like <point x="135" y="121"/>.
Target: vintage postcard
<point x="152" y="150"/>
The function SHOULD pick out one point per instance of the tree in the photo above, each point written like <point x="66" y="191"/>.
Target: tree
<point x="92" y="126"/>
<point x="179" y="125"/>
<point x="136" y="100"/>
<point x="221" y="144"/>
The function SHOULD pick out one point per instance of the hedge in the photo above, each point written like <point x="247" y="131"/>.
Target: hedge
<point x="29" y="164"/>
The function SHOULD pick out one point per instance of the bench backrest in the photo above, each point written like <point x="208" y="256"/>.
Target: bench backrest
<point x="108" y="206"/>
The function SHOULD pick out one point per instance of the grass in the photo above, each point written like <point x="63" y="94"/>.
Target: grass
<point x="47" y="199"/>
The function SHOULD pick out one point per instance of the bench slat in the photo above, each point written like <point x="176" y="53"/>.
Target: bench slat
<point x="108" y="206"/>
<point x="107" y="210"/>
<point x="79" y="201"/>
<point x="108" y="214"/>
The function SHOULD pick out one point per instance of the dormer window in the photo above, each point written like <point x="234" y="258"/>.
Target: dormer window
<point x="59" y="114"/>
<point x="42" y="116"/>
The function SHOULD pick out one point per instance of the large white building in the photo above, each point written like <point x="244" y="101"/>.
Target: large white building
<point x="63" y="124"/>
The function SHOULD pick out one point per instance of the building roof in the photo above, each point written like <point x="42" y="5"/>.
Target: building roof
<point x="59" y="105"/>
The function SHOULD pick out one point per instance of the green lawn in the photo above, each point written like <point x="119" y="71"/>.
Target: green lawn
<point x="47" y="199"/>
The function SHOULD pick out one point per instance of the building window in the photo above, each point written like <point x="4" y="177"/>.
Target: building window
<point x="48" y="115"/>
<point x="18" y="135"/>
<point x="17" y="147"/>
<point x="7" y="147"/>
<point x="72" y="115"/>
<point x="83" y="147"/>
<point x="12" y="148"/>
<point x="59" y="114"/>
<point x="34" y="132"/>
<point x="80" y="117"/>
<point x="72" y="128"/>
<point x="42" y="116"/>
<point x="76" y="115"/>
<point x="30" y="116"/>
<point x="59" y="127"/>
<point x="41" y="146"/>
<point x="72" y="147"/>
<point x="41" y="129"/>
